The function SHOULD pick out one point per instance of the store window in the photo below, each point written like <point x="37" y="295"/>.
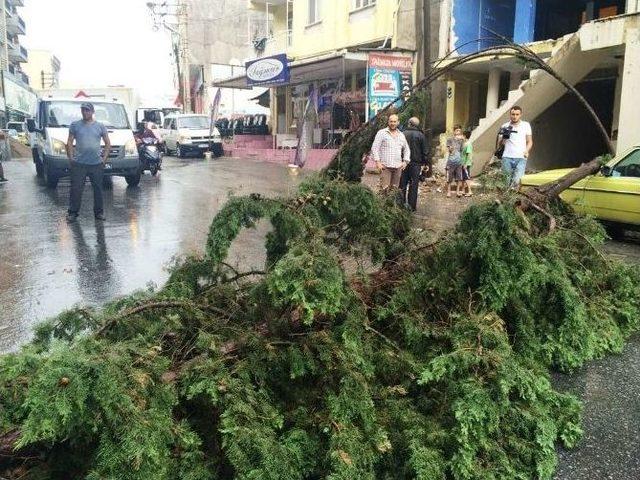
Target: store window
<point x="314" y="11"/>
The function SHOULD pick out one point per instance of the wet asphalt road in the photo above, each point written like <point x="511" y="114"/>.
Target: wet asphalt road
<point x="47" y="265"/>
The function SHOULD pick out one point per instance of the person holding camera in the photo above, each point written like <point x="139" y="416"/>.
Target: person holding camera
<point x="515" y="141"/>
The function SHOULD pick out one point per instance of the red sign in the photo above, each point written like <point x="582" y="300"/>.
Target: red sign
<point x="391" y="62"/>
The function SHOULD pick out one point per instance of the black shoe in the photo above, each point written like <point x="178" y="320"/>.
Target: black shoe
<point x="2" y="180"/>
<point x="100" y="217"/>
<point x="72" y="217"/>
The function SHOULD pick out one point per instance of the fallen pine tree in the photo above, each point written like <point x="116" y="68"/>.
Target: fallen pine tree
<point x="433" y="364"/>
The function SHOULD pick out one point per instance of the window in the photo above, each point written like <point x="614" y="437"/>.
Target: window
<point x="194" y="122"/>
<point x="61" y="114"/>
<point x="314" y="11"/>
<point x="629" y="166"/>
<point x="362" y="3"/>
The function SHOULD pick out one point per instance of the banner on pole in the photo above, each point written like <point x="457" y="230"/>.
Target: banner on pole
<point x="215" y="107"/>
<point x="306" y="128"/>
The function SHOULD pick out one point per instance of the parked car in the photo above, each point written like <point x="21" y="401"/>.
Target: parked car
<point x="51" y="128"/>
<point x="189" y="134"/>
<point x="11" y="132"/>
<point x="21" y="131"/>
<point x="611" y="195"/>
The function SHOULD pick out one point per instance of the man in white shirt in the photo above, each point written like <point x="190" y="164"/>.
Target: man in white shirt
<point x="391" y="153"/>
<point x="517" y="137"/>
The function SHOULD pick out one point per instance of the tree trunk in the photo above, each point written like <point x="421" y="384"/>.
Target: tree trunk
<point x="553" y="189"/>
<point x="8" y="441"/>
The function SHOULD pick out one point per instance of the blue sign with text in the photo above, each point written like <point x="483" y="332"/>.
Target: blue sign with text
<point x="268" y="71"/>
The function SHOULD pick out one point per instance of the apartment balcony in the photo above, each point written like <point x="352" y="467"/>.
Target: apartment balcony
<point x="279" y="42"/>
<point x="15" y="23"/>
<point x="14" y="73"/>
<point x="17" y="53"/>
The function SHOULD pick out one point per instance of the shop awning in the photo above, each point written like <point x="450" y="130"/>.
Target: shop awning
<point x="264" y="99"/>
<point x="334" y="65"/>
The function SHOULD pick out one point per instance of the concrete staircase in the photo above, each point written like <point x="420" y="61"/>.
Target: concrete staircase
<point x="535" y="95"/>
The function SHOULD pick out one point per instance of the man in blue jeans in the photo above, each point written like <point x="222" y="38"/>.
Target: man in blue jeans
<point x="517" y="137"/>
<point x="85" y="160"/>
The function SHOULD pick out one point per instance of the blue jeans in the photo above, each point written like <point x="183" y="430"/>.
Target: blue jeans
<point x="514" y="170"/>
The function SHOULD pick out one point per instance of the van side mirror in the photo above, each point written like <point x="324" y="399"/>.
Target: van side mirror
<point x="606" y="171"/>
<point x="31" y="125"/>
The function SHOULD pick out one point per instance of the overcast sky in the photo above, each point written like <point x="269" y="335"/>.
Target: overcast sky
<point x="101" y="43"/>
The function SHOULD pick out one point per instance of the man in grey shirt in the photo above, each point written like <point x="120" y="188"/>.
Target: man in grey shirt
<point x="85" y="160"/>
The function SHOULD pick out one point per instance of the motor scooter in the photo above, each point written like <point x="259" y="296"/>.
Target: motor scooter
<point x="150" y="155"/>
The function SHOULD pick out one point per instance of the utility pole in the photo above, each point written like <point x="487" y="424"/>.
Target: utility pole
<point x="426" y="70"/>
<point x="180" y="39"/>
<point x="48" y="80"/>
<point x="183" y="38"/>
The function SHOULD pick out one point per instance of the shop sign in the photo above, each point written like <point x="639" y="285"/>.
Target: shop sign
<point x="269" y="71"/>
<point x="19" y="98"/>
<point x="387" y="77"/>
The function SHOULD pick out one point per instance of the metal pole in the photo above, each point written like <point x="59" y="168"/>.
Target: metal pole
<point x="266" y="20"/>
<point x="233" y="98"/>
<point x="426" y="60"/>
<point x="184" y="52"/>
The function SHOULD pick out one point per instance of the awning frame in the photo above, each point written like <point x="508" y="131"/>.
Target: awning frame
<point x="322" y="67"/>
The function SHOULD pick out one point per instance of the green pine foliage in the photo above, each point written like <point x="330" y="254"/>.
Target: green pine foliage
<point x="434" y="364"/>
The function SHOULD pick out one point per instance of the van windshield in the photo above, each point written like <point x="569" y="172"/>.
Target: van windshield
<point x="63" y="114"/>
<point x="198" y="122"/>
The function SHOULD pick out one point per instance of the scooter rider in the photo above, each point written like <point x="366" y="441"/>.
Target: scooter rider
<point x="143" y="133"/>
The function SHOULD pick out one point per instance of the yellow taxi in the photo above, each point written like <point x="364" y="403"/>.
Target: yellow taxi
<point x="611" y="195"/>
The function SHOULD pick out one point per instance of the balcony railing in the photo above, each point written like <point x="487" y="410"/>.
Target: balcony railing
<point x="18" y="53"/>
<point x="16" y="25"/>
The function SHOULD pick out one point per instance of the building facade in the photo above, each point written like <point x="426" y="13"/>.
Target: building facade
<point x="43" y="70"/>
<point x="327" y="44"/>
<point x="592" y="44"/>
<point x="18" y="100"/>
<point x="221" y="35"/>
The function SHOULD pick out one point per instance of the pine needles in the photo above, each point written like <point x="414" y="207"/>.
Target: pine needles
<point x="434" y="364"/>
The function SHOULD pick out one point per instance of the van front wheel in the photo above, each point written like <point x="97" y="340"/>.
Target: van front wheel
<point x="50" y="179"/>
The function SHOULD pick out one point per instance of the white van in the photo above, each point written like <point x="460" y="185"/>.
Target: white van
<point x="188" y="133"/>
<point x="51" y="128"/>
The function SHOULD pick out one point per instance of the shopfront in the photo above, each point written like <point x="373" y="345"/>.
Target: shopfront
<point x="337" y="83"/>
<point x="20" y="101"/>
